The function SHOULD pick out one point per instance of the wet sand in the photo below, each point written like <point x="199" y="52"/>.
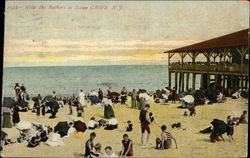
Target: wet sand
<point x="190" y="142"/>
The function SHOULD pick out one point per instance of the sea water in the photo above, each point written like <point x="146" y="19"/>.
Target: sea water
<point x="68" y="80"/>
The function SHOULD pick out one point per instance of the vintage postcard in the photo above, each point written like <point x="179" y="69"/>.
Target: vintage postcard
<point x="125" y="79"/>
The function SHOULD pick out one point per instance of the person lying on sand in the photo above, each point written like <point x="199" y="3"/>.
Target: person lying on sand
<point x="112" y="124"/>
<point x="93" y="124"/>
<point x="166" y="139"/>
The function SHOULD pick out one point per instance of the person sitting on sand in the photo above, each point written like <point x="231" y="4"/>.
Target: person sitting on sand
<point x="236" y="95"/>
<point x="166" y="139"/>
<point x="43" y="133"/>
<point x="185" y="113"/>
<point x="109" y="152"/>
<point x="89" y="145"/>
<point x="243" y="118"/>
<point x="93" y="124"/>
<point x="112" y="124"/>
<point x="129" y="126"/>
<point x="97" y="152"/>
<point x="127" y="146"/>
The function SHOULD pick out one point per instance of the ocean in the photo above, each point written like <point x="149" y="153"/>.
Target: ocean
<point x="68" y="80"/>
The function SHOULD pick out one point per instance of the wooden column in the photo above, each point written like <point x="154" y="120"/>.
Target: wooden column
<point x="182" y="81"/>
<point x="169" y="79"/>
<point x="229" y="81"/>
<point x="187" y="81"/>
<point x="224" y="82"/>
<point x="201" y="82"/>
<point x="208" y="80"/>
<point x="232" y="82"/>
<point x="241" y="82"/>
<point x="176" y="80"/>
<point x="194" y="78"/>
<point x="246" y="82"/>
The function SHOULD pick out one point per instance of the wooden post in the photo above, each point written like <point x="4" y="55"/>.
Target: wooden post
<point x="232" y="82"/>
<point x="187" y="81"/>
<point x="182" y="81"/>
<point x="208" y="80"/>
<point x="202" y="84"/>
<point x="224" y="82"/>
<point x="169" y="79"/>
<point x="229" y="81"/>
<point x="193" y="84"/>
<point x="176" y="80"/>
<point x="246" y="82"/>
<point x="241" y="82"/>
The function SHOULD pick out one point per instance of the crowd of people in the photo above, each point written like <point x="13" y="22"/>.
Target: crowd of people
<point x="139" y="100"/>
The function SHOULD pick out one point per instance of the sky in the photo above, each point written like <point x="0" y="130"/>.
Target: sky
<point x="69" y="33"/>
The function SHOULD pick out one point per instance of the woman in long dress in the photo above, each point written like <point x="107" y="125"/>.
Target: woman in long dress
<point x="15" y="118"/>
<point x="82" y="98"/>
<point x="108" y="109"/>
<point x="133" y="98"/>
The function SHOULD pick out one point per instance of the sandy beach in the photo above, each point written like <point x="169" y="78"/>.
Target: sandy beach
<point x="190" y="142"/>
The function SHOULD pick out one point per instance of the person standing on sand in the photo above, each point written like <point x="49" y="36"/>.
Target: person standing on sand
<point x="15" y="116"/>
<point x="123" y="95"/>
<point x="174" y="97"/>
<point x="145" y="121"/>
<point x="100" y="94"/>
<point x="133" y="99"/>
<point x="82" y="97"/>
<point x="54" y="94"/>
<point x="89" y="145"/>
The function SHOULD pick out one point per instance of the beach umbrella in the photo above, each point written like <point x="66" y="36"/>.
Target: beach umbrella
<point x="3" y="135"/>
<point x="62" y="128"/>
<point x="169" y="89"/>
<point x="8" y="102"/>
<point x="80" y="126"/>
<point x="22" y="103"/>
<point x="188" y="99"/>
<point x="48" y="98"/>
<point x="115" y="94"/>
<point x="220" y="127"/>
<point x="206" y="130"/>
<point x="35" y="99"/>
<point x="24" y="125"/>
<point x="53" y="104"/>
<point x="94" y="99"/>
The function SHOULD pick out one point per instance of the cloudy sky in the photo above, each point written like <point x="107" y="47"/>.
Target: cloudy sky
<point x="112" y="33"/>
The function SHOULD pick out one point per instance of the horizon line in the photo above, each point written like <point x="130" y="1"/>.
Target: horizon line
<point x="84" y="65"/>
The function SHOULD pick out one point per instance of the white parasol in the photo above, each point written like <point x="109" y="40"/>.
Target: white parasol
<point x="24" y="125"/>
<point x="188" y="99"/>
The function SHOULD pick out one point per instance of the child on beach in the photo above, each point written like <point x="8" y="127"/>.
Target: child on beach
<point x="166" y="139"/>
<point x="243" y="118"/>
<point x="129" y="126"/>
<point x="152" y="118"/>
